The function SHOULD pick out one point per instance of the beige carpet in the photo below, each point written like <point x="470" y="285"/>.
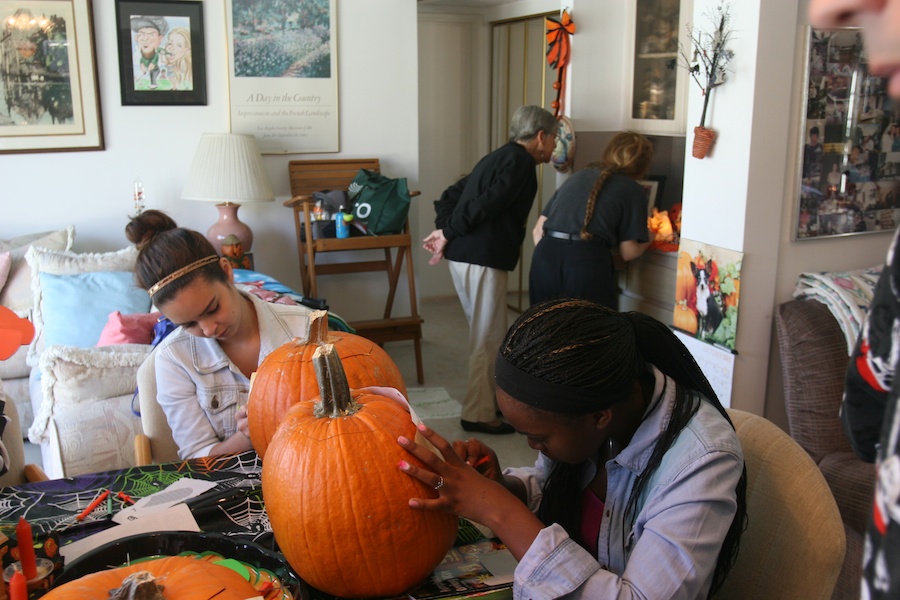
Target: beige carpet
<point x="433" y="403"/>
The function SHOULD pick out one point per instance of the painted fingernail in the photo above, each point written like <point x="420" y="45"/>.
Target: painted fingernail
<point x="422" y="427"/>
<point x="404" y="466"/>
<point x="402" y="440"/>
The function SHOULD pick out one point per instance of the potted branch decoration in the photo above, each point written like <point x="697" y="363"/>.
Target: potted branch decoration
<point x="707" y="67"/>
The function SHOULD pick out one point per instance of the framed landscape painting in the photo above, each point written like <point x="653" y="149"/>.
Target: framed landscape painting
<point x="162" y="54"/>
<point x="283" y="73"/>
<point x="49" y="99"/>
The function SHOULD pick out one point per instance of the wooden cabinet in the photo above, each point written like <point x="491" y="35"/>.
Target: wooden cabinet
<point x="647" y="285"/>
<point x="655" y="87"/>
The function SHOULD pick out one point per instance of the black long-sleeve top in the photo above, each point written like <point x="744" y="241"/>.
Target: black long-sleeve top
<point x="488" y="224"/>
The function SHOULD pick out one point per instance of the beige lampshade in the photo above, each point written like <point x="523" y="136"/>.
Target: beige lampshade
<point x="228" y="169"/>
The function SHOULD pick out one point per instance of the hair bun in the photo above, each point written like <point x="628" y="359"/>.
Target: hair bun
<point x="147" y="225"/>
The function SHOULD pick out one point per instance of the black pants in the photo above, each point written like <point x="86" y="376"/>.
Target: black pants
<point x="572" y="269"/>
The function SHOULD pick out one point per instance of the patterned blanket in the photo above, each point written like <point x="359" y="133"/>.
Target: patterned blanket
<point x="847" y="294"/>
<point x="271" y="290"/>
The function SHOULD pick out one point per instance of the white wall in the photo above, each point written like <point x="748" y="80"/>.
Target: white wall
<point x="378" y="117"/>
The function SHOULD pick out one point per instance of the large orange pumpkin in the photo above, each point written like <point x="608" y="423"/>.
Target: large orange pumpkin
<point x="182" y="578"/>
<point x="286" y="376"/>
<point x="684" y="318"/>
<point x="338" y="503"/>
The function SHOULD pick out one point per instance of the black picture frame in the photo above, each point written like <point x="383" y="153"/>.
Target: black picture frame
<point x="654" y="185"/>
<point x="172" y="76"/>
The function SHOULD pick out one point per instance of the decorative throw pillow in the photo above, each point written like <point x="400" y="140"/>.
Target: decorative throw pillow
<point x="5" y="264"/>
<point x="81" y="291"/>
<point x="16" y="294"/>
<point x="86" y="407"/>
<point x="128" y="329"/>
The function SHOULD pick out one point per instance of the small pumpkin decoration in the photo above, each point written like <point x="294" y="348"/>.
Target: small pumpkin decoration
<point x="287" y="376"/>
<point x="733" y="298"/>
<point x="684" y="318"/>
<point x="338" y="503"/>
<point x="181" y="577"/>
<point x="685" y="285"/>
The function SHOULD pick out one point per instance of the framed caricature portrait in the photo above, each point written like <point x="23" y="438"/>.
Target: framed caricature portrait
<point x="48" y="77"/>
<point x="162" y="57"/>
<point x="850" y="148"/>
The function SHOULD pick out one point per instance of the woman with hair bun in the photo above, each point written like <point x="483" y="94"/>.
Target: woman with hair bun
<point x="599" y="208"/>
<point x="639" y="486"/>
<point x="203" y="368"/>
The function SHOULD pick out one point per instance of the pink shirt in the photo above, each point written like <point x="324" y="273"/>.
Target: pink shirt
<point x="591" y="516"/>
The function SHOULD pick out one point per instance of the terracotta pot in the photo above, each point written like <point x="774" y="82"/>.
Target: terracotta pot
<point x="703" y="141"/>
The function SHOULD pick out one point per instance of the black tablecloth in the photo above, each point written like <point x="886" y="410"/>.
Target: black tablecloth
<point x="51" y="506"/>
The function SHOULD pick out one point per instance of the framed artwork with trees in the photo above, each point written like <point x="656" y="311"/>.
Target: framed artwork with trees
<point x="283" y="73"/>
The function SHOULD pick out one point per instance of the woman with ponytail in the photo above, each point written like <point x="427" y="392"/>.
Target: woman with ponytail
<point x="599" y="208"/>
<point x="639" y="487"/>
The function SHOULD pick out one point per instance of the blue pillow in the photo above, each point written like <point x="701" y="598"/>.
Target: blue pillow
<point x="75" y="308"/>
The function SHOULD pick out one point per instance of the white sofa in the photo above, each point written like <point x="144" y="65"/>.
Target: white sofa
<point x="16" y="294"/>
<point x="81" y="393"/>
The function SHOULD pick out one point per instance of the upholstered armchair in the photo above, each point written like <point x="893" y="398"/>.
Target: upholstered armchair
<point x="814" y="361"/>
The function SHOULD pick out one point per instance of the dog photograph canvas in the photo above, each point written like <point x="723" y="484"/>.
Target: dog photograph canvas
<point x="707" y="292"/>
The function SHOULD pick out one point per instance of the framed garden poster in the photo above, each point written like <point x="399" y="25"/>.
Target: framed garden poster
<point x="283" y="73"/>
<point x="849" y="180"/>
<point x="162" y="58"/>
<point x="49" y="99"/>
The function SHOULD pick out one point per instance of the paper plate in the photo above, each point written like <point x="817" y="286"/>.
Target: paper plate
<point x="171" y="543"/>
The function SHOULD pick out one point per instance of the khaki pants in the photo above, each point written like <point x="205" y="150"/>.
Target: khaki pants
<point x="482" y="292"/>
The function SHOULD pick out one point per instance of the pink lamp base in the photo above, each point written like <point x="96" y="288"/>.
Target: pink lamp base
<point x="229" y="224"/>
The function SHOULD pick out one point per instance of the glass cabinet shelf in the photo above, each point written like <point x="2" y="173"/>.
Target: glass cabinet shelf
<point x="656" y="88"/>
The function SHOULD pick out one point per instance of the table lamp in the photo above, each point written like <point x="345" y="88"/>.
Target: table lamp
<point x="228" y="169"/>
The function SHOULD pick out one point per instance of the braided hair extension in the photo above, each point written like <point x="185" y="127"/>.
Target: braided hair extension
<point x="579" y="343"/>
<point x="627" y="153"/>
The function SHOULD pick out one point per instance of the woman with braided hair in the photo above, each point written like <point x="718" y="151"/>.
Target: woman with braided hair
<point x="599" y="208"/>
<point x="639" y="487"/>
<point x="203" y="368"/>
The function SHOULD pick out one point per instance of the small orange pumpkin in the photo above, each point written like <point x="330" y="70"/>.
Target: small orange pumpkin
<point x="685" y="287"/>
<point x="684" y="318"/>
<point x="287" y="376"/>
<point x="734" y="297"/>
<point x="334" y="493"/>
<point x="183" y="578"/>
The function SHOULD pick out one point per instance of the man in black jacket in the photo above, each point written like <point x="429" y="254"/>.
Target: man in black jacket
<point x="481" y="240"/>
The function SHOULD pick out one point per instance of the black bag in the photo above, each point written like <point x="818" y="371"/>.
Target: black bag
<point x="333" y="200"/>
<point x="381" y="203"/>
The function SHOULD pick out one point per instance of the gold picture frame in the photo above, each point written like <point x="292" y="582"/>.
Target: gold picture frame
<point x="48" y="77"/>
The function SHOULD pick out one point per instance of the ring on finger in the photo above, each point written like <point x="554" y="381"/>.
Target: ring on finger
<point x="439" y="484"/>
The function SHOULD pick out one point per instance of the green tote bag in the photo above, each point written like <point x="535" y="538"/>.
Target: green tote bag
<point x="380" y="202"/>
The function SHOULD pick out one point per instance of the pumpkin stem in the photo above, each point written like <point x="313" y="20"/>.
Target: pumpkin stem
<point x="317" y="330"/>
<point x="334" y="389"/>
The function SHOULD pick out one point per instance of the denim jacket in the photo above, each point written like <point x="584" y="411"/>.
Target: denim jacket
<point x="199" y="388"/>
<point x="682" y="516"/>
